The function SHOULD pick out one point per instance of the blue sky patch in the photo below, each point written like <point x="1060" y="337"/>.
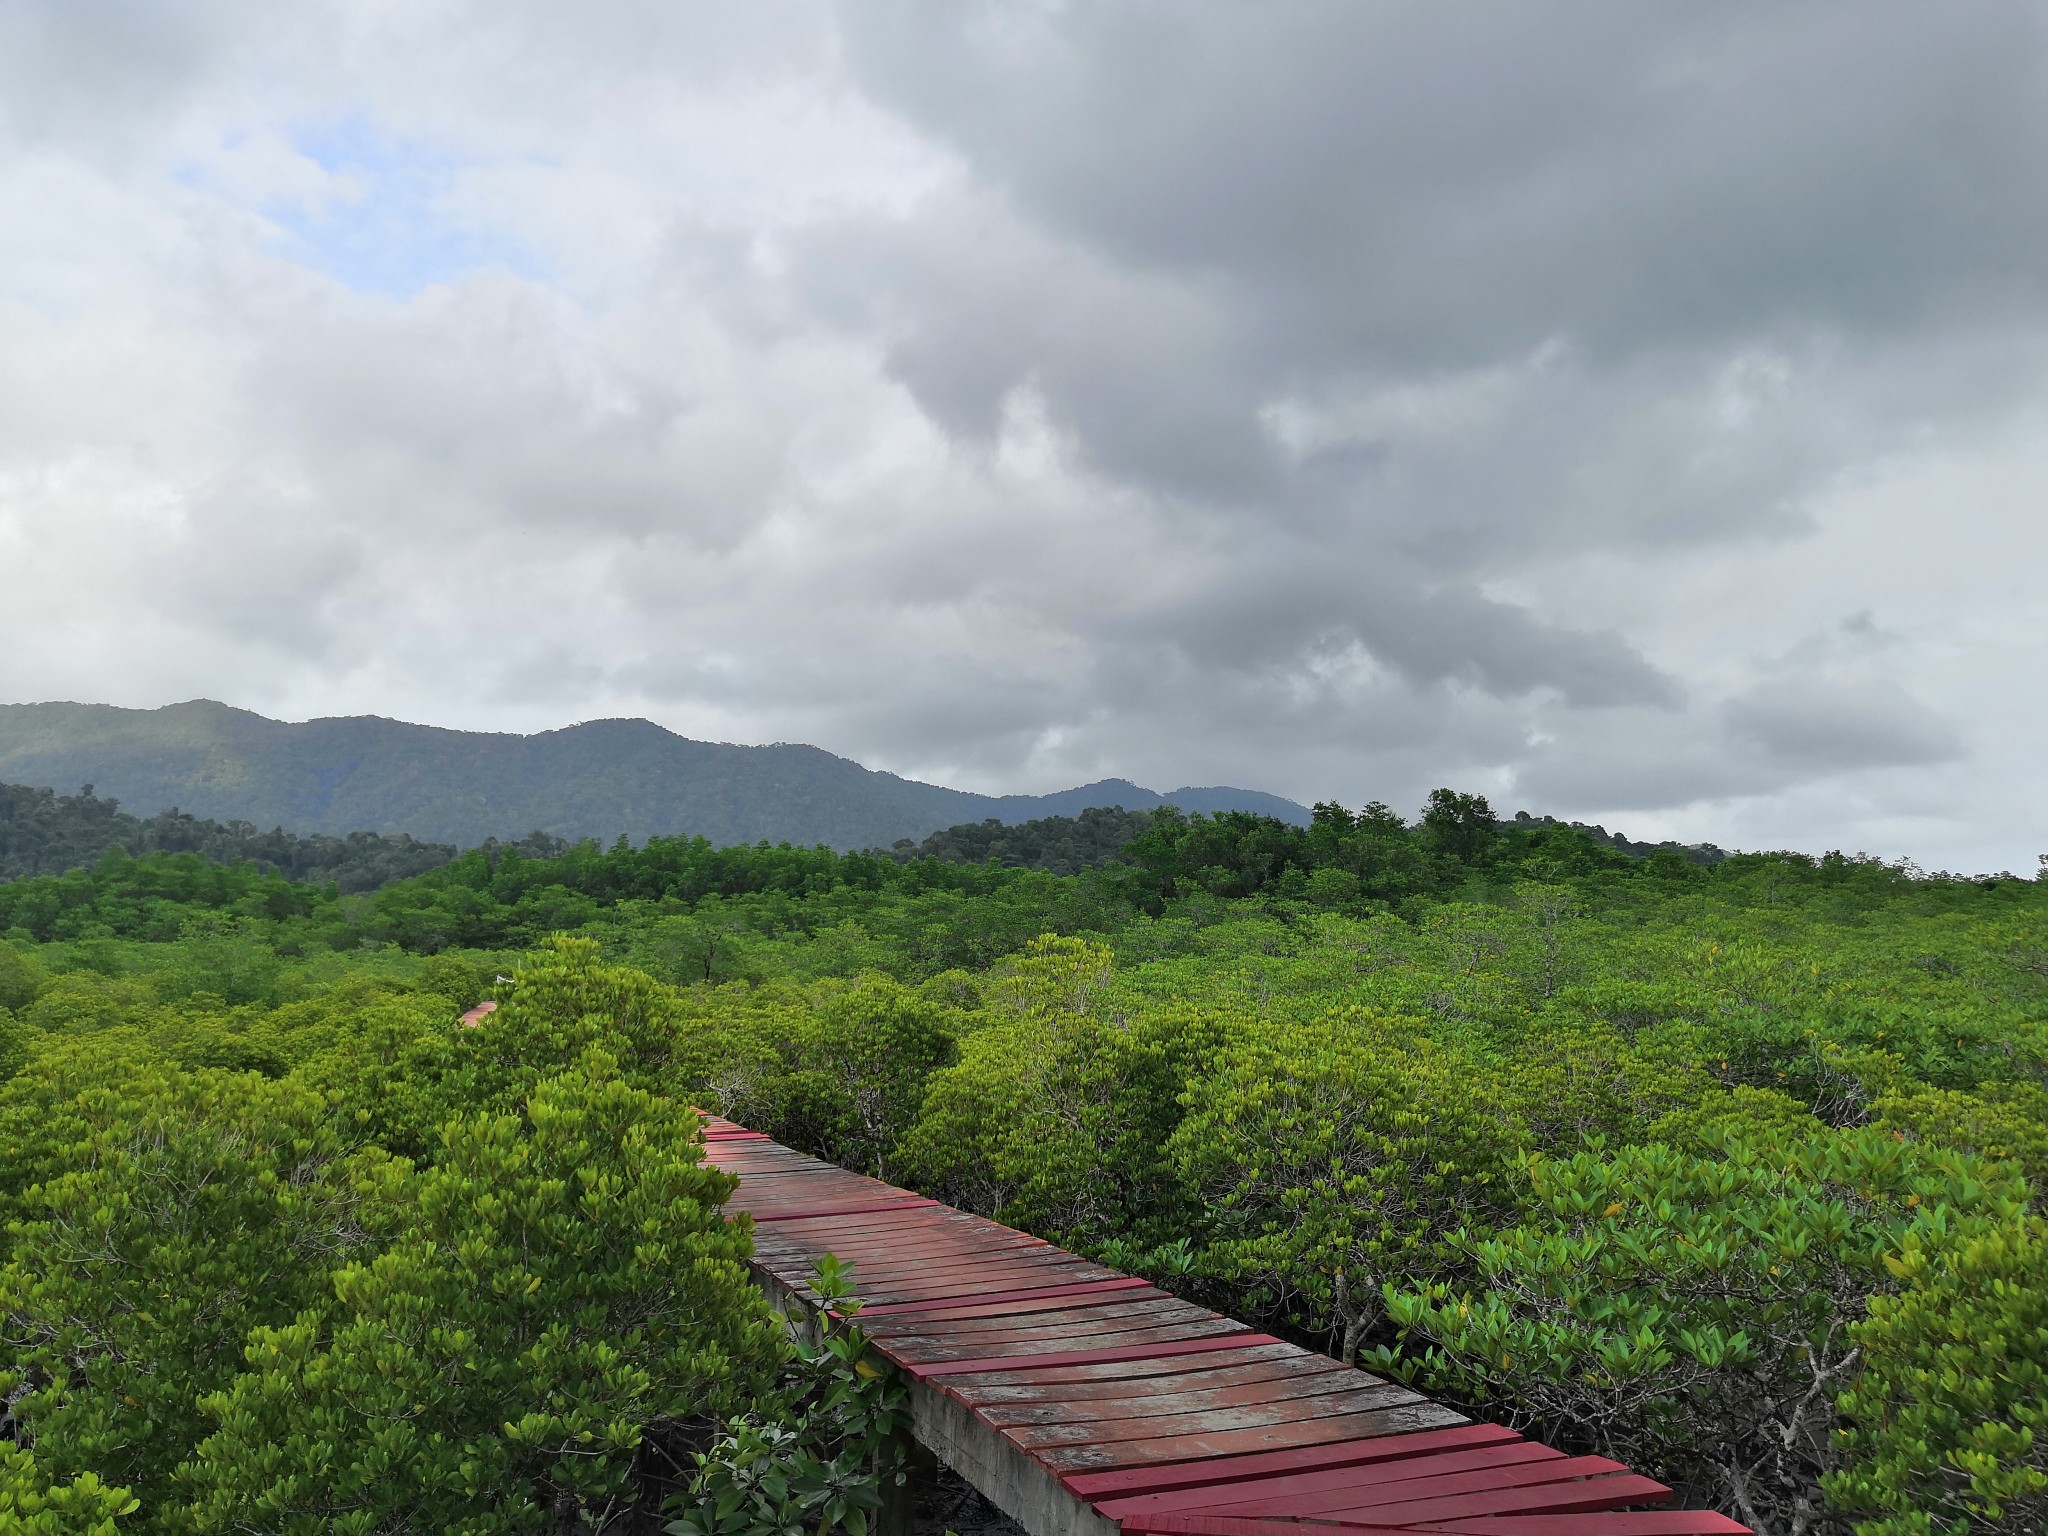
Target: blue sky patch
<point x="401" y="235"/>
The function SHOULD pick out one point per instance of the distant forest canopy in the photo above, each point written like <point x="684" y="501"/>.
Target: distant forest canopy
<point x="1067" y="845"/>
<point x="1699" y="853"/>
<point x="1060" y="845"/>
<point x="514" y="894"/>
<point x="1232" y="853"/>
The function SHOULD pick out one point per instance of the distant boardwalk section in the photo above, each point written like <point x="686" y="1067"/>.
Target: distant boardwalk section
<point x="1083" y="1402"/>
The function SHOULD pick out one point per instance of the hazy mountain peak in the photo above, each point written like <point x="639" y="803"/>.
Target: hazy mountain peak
<point x="597" y="778"/>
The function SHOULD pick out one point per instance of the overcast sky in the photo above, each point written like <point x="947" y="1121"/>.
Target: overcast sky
<point x="1633" y="412"/>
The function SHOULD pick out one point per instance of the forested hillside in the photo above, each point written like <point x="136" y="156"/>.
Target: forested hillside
<point x="45" y="833"/>
<point x="1732" y="1168"/>
<point x="602" y="779"/>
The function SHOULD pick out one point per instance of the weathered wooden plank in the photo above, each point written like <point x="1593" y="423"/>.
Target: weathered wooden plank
<point x="920" y="1253"/>
<point x="1035" y="1296"/>
<point x="1294" y="1494"/>
<point x="1441" y="1482"/>
<point x="939" y="1258"/>
<point x="1014" y="1274"/>
<point x="1593" y="1493"/>
<point x="1218" y="1420"/>
<point x="1116" y="1372"/>
<point x="762" y="1195"/>
<point x="932" y="1252"/>
<point x="1103" y="1312"/>
<point x="872" y="1252"/>
<point x="995" y="1352"/>
<point x="1634" y="1522"/>
<point x="1239" y="1525"/>
<point x="1010" y="1275"/>
<point x="1208" y="1473"/>
<point x="1061" y="1405"/>
<point x="1275" y="1437"/>
<point x="924" y="1239"/>
<point x="830" y="1211"/>
<point x="1284" y="1374"/>
<point x="924" y="1370"/>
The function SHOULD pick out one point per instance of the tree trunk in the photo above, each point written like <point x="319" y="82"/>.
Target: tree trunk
<point x="1352" y="1319"/>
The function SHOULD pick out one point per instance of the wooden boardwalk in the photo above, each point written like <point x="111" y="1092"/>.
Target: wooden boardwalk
<point x="1083" y="1402"/>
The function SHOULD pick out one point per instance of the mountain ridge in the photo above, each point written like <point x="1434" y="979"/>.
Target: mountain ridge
<point x="598" y="778"/>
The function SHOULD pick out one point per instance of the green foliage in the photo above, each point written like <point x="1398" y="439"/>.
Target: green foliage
<point x="1724" y="1164"/>
<point x="1697" y="1314"/>
<point x="836" y="1442"/>
<point x="1948" y="1424"/>
<point x="14" y="1045"/>
<point x="21" y="978"/>
<point x="561" y="1287"/>
<point x="191" y="1209"/>
<point x="1060" y="1110"/>
<point x="30" y="1505"/>
<point x="1336" y="1157"/>
<point x="858" y="1071"/>
<point x="1064" y="845"/>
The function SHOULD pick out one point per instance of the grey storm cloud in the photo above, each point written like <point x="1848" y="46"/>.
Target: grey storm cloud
<point x="1621" y="410"/>
<point x="1818" y="728"/>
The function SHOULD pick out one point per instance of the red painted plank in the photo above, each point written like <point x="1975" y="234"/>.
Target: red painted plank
<point x="931" y="1270"/>
<point x="1208" y="1473"/>
<point x="764" y="1163"/>
<point x="1111" y="1333"/>
<point x="1154" y="1399"/>
<point x="1511" y="1465"/>
<point x="1088" y="1356"/>
<point x="809" y="1192"/>
<point x="932" y="1251"/>
<point x="871" y="1242"/>
<point x="1264" y="1369"/>
<point x="1156" y="1372"/>
<point x="1016" y="1275"/>
<point x="926" y="1236"/>
<point x="923" y="1251"/>
<point x="814" y="1192"/>
<point x="882" y="1290"/>
<point x="1277" y="1437"/>
<point x="1433" y="1484"/>
<point x="943" y="1276"/>
<point x="1226" y="1525"/>
<point x="874" y="1239"/>
<point x="1631" y="1522"/>
<point x="1131" y="1334"/>
<point x="1592" y="1493"/>
<point x="1282" y="1494"/>
<point x="787" y="1189"/>
<point x="1116" y="1310"/>
<point x="849" y="1210"/>
<point x="1004" y="1298"/>
<point x="1211" y="1421"/>
<point x="1026" y="1301"/>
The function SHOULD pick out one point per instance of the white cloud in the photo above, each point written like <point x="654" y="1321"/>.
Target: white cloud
<point x="1632" y="414"/>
